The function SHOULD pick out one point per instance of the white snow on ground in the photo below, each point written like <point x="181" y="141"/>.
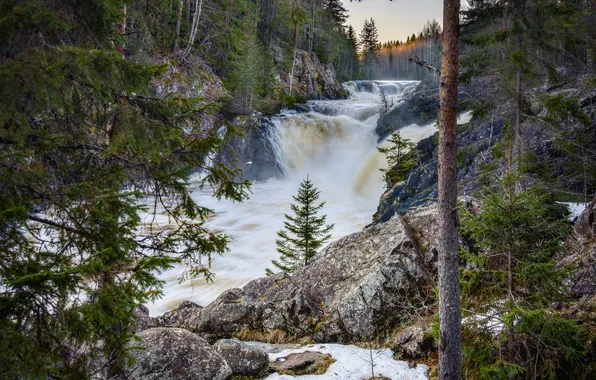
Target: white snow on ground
<point x="576" y="209"/>
<point x="354" y="363"/>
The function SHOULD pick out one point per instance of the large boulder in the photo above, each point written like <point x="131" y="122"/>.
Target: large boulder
<point x="142" y="319"/>
<point x="413" y="342"/>
<point x="244" y="360"/>
<point x="180" y="316"/>
<point x="353" y="289"/>
<point x="173" y="353"/>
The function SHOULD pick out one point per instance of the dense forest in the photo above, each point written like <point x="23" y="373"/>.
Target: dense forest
<point x="111" y="109"/>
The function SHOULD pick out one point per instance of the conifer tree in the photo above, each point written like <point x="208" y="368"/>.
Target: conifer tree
<point x="511" y="275"/>
<point x="369" y="42"/>
<point x="401" y="158"/>
<point x="304" y="233"/>
<point x="84" y="141"/>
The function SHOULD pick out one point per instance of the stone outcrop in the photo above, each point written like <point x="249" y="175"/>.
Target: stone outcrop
<point x="256" y="152"/>
<point x="418" y="109"/>
<point x="474" y="141"/>
<point x="172" y="353"/>
<point x="354" y="288"/>
<point x="243" y="359"/>
<point x="312" y="79"/>
<point x="476" y="138"/>
<point x="413" y="342"/>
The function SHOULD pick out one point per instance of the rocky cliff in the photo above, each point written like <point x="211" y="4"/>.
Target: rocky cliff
<point x="548" y="147"/>
<point x="312" y="79"/>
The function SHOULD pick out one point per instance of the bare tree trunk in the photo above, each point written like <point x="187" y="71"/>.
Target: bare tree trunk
<point x="194" y="27"/>
<point x="296" y="5"/>
<point x="293" y="67"/>
<point x="517" y="139"/>
<point x="122" y="30"/>
<point x="505" y="27"/>
<point x="449" y="292"/>
<point x="178" y="22"/>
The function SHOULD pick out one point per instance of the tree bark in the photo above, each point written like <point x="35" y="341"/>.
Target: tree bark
<point x="517" y="138"/>
<point x="505" y="27"/>
<point x="194" y="27"/>
<point x="449" y="292"/>
<point x="178" y="22"/>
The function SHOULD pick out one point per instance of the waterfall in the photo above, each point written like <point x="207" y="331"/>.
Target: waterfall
<point x="335" y="145"/>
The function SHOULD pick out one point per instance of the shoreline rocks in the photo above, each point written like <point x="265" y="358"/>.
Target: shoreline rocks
<point x="355" y="288"/>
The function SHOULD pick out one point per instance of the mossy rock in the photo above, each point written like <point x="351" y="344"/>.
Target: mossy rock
<point x="303" y="363"/>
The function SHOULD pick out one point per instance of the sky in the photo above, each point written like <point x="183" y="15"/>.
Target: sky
<point x="395" y="19"/>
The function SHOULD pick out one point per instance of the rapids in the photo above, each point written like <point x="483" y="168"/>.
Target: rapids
<point x="336" y="146"/>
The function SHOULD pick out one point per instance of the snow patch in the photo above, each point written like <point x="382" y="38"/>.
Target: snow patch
<point x="354" y="363"/>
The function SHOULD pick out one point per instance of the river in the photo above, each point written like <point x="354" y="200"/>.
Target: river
<point x="336" y="146"/>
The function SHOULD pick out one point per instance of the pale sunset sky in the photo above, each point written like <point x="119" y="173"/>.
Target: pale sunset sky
<point x="395" y="20"/>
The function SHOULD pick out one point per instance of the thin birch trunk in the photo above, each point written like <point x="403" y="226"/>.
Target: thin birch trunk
<point x="195" y="26"/>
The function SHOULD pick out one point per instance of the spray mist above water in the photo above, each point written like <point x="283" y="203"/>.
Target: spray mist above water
<point x="336" y="146"/>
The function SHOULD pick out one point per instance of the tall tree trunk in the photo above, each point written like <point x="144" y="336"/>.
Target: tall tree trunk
<point x="194" y="27"/>
<point x="517" y="138"/>
<point x="505" y="27"/>
<point x="178" y="22"/>
<point x="449" y="292"/>
<point x="122" y="30"/>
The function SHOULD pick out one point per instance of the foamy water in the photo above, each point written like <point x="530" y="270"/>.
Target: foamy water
<point x="336" y="146"/>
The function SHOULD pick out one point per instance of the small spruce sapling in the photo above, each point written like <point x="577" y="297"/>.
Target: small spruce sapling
<point x="304" y="233"/>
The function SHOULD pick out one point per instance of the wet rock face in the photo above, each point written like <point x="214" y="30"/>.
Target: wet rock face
<point x="243" y="359"/>
<point x="255" y="152"/>
<point x="354" y="288"/>
<point x="420" y="188"/>
<point x="173" y="353"/>
<point x="580" y="250"/>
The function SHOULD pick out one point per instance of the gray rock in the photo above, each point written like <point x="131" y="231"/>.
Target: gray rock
<point x="179" y="317"/>
<point x="417" y="109"/>
<point x="302" y="363"/>
<point x="173" y="353"/>
<point x="355" y="287"/>
<point x="413" y="342"/>
<point x="255" y="152"/>
<point x="243" y="359"/>
<point x="312" y="79"/>
<point x="143" y="320"/>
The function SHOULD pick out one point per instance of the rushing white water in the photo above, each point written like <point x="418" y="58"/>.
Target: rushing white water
<point x="336" y="146"/>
